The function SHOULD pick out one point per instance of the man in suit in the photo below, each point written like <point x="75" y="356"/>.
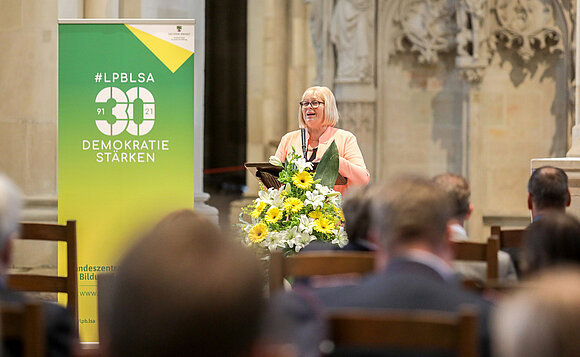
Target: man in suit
<point x="548" y="191"/>
<point x="458" y="189"/>
<point x="410" y="216"/>
<point x="58" y="322"/>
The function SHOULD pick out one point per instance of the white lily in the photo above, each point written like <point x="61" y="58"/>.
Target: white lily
<point x="302" y="164"/>
<point x="274" y="160"/>
<point x="314" y="198"/>
<point x="288" y="236"/>
<point x="306" y="224"/>
<point x="341" y="239"/>
<point x="335" y="199"/>
<point x="271" y="197"/>
<point x="272" y="240"/>
<point x="302" y="240"/>
<point x="323" y="189"/>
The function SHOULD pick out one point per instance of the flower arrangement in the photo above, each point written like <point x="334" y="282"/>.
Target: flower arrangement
<point x="302" y="210"/>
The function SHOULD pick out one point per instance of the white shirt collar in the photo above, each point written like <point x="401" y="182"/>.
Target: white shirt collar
<point x="433" y="261"/>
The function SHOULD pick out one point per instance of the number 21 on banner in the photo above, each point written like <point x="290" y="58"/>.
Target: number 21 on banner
<point x="124" y="111"/>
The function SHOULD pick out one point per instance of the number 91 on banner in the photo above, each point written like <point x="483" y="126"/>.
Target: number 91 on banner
<point x="126" y="108"/>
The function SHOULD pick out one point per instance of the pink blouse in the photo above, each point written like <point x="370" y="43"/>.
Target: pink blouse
<point x="351" y="163"/>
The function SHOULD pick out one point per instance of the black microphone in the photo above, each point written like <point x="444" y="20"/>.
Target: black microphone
<point x="303" y="135"/>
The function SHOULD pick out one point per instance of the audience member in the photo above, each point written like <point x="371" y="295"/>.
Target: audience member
<point x="459" y="192"/>
<point x="541" y="320"/>
<point x="410" y="215"/>
<point x="58" y="322"/>
<point x="548" y="191"/>
<point x="356" y="208"/>
<point x="552" y="240"/>
<point x="186" y="290"/>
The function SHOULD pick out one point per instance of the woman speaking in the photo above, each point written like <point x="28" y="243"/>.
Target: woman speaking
<point x="318" y="116"/>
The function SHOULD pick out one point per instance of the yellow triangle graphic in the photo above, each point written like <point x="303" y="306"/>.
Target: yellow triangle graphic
<point x="171" y="55"/>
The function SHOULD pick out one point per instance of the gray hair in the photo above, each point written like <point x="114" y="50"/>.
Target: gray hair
<point x="10" y="206"/>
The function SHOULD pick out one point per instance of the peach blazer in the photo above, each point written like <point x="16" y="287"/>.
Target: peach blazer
<point x="351" y="163"/>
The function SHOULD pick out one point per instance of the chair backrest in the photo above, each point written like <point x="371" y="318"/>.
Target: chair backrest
<point x="406" y="330"/>
<point x="56" y="284"/>
<point x="24" y="324"/>
<point x="486" y="252"/>
<point x="509" y="238"/>
<point x="307" y="264"/>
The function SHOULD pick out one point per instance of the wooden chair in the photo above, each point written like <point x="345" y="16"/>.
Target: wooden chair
<point x="24" y="324"/>
<point x="308" y="264"/>
<point x="87" y="351"/>
<point x="509" y="238"/>
<point x="396" y="329"/>
<point x="56" y="284"/>
<point x="486" y="252"/>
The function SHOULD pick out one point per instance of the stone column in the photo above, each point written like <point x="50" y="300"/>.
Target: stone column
<point x="28" y="86"/>
<point x="575" y="149"/>
<point x="299" y="71"/>
<point x="199" y="72"/>
<point x="182" y="9"/>
<point x="28" y="91"/>
<point x="101" y="9"/>
<point x="130" y="9"/>
<point x="267" y="79"/>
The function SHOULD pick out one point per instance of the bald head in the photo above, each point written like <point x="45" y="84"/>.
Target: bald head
<point x="548" y="190"/>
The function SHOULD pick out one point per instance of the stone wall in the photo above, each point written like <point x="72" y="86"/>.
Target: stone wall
<point x="473" y="87"/>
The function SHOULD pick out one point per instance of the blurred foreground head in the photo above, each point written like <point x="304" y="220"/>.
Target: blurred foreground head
<point x="541" y="320"/>
<point x="10" y="209"/>
<point x="186" y="290"/>
<point x="412" y="211"/>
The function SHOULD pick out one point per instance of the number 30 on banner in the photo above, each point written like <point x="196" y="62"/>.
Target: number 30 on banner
<point x="123" y="111"/>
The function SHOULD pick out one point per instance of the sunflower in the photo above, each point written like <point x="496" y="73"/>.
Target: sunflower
<point x="302" y="180"/>
<point x="293" y="204"/>
<point x="315" y="214"/>
<point x="273" y="215"/>
<point x="258" y="233"/>
<point x="258" y="210"/>
<point x="323" y="225"/>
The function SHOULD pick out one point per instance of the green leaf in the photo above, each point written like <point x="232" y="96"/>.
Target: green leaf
<point x="327" y="170"/>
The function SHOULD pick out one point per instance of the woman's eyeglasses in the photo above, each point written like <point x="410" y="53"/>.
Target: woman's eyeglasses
<point x="314" y="104"/>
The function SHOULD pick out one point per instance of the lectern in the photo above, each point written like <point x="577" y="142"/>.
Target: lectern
<point x="268" y="173"/>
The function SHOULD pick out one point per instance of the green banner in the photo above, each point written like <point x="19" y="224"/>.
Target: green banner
<point x="125" y="139"/>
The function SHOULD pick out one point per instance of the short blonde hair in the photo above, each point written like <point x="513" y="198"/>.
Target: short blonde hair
<point x="330" y="110"/>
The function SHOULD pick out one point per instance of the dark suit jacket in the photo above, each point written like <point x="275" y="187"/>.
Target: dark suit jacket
<point x="405" y="284"/>
<point x="58" y="327"/>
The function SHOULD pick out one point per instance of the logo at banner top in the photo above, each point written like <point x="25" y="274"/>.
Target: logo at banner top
<point x="124" y="111"/>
